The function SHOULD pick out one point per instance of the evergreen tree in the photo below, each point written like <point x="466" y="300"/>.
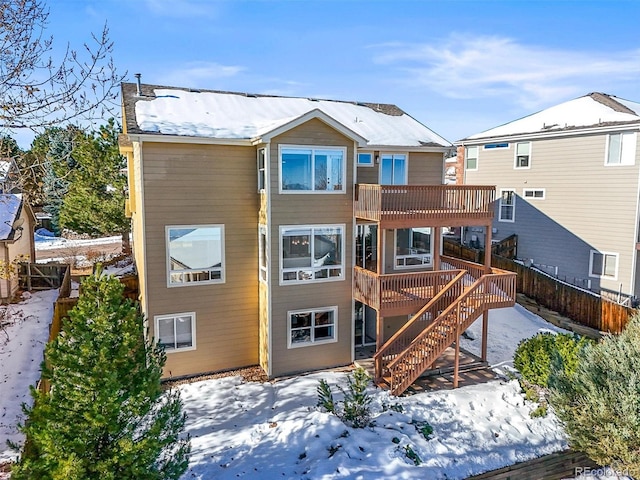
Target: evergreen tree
<point x="599" y="404"/>
<point x="106" y="415"/>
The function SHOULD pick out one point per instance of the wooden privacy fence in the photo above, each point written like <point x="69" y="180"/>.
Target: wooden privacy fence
<point x="37" y="276"/>
<point x="581" y="306"/>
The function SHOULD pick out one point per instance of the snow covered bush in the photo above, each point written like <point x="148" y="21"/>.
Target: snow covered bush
<point x="355" y="409"/>
<point x="599" y="403"/>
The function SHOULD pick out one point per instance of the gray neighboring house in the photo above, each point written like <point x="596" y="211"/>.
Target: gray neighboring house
<point x="568" y="184"/>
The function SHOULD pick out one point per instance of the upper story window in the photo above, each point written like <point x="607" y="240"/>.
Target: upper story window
<point x="523" y="155"/>
<point x="534" y="193"/>
<point x="493" y="146"/>
<point x="471" y="158"/>
<point x="262" y="252"/>
<point x="413" y="247"/>
<point x="621" y="149"/>
<point x="304" y="169"/>
<point x="262" y="170"/>
<point x="393" y="169"/>
<point x="176" y="332"/>
<point x="312" y="253"/>
<point x="195" y="254"/>
<point x="603" y="264"/>
<point x="507" y="206"/>
<point x="365" y="159"/>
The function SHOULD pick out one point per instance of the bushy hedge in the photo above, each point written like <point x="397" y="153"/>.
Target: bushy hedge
<point x="534" y="356"/>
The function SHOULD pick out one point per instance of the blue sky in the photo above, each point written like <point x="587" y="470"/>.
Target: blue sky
<point x="460" y="67"/>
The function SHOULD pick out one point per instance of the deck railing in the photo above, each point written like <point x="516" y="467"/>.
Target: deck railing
<point x="423" y="202"/>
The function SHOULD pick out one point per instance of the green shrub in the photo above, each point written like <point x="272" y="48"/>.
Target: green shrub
<point x="354" y="410"/>
<point x="599" y="403"/>
<point x="534" y="356"/>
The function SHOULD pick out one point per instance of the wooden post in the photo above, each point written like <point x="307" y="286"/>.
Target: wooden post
<point x="485" y="328"/>
<point x="437" y="232"/>
<point x="487" y="249"/>
<point x="456" y="364"/>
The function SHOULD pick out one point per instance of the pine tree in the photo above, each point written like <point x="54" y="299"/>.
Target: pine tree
<point x="106" y="415"/>
<point x="599" y="404"/>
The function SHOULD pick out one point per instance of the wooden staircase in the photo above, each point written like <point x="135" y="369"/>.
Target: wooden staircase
<point x="437" y="325"/>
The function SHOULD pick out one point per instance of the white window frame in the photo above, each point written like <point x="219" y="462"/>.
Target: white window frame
<point x="262" y="169"/>
<point x="221" y="269"/>
<point x="466" y="158"/>
<point x="496" y="146"/>
<point x="175" y="316"/>
<point x="405" y="180"/>
<point x="312" y="327"/>
<point x="426" y="259"/>
<point x="500" y="219"/>
<point x="630" y="150"/>
<point x="313" y="148"/>
<point x="592" y="254"/>
<point x="370" y="164"/>
<point x="515" y="156"/>
<point x="263" y="254"/>
<point x="525" y="191"/>
<point x="310" y="271"/>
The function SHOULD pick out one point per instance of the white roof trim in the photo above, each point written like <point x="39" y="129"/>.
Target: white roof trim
<point x="164" y="138"/>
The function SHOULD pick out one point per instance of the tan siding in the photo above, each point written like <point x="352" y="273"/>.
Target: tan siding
<point x="590" y="201"/>
<point x="425" y="168"/>
<point x="199" y="185"/>
<point x="137" y="225"/>
<point x="310" y="209"/>
<point x="264" y="326"/>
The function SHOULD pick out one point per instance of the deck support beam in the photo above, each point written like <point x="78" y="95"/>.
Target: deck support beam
<point x="456" y="363"/>
<point x="437" y="242"/>
<point x="487" y="248"/>
<point x="485" y="328"/>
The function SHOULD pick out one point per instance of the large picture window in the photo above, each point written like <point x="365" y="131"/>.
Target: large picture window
<point x="507" y="204"/>
<point x="621" y="149"/>
<point x="195" y="254"/>
<point x="308" y="327"/>
<point x="413" y="247"/>
<point x="393" y="169"/>
<point x="176" y="332"/>
<point x="312" y="169"/>
<point x="311" y="253"/>
<point x="603" y="264"/>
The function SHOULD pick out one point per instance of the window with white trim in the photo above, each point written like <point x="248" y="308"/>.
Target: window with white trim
<point x="262" y="252"/>
<point x="176" y="332"/>
<point x="304" y="169"/>
<point x="262" y="171"/>
<point x="495" y="146"/>
<point x="311" y="253"/>
<point x="393" y="169"/>
<point x="312" y="326"/>
<point x="365" y="159"/>
<point x="507" y="206"/>
<point x="621" y="149"/>
<point x="471" y="158"/>
<point x="603" y="264"/>
<point x="523" y="155"/>
<point x="195" y="254"/>
<point x="413" y="247"/>
<point x="533" y="193"/>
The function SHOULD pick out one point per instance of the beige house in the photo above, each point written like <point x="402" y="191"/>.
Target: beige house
<point x="287" y="232"/>
<point x="17" y="224"/>
<point x="568" y="181"/>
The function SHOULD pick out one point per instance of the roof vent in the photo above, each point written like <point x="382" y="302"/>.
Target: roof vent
<point x="138" y="84"/>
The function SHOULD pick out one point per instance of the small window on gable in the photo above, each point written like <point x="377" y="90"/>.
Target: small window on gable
<point x="523" y="155"/>
<point x="471" y="158"/>
<point x="621" y="149"/>
<point x="176" y="332"/>
<point x="365" y="159"/>
<point x="603" y="265"/>
<point x="534" y="193"/>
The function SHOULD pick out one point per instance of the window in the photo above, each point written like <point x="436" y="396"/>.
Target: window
<point x="312" y="169"/>
<point x="413" y="247"/>
<point x="262" y="253"/>
<point x="603" y="264"/>
<point x="176" y="332"/>
<point x="507" y="205"/>
<point x="471" y="158"/>
<point x="621" y="149"/>
<point x="493" y="146"/>
<point x="195" y="254"/>
<point x="393" y="169"/>
<point x="365" y="159"/>
<point x="311" y="253"/>
<point x="262" y="173"/>
<point x="523" y="155"/>
<point x="307" y="327"/>
<point x="534" y="193"/>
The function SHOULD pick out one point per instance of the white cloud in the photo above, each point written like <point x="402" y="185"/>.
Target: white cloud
<point x="199" y="74"/>
<point x="470" y="66"/>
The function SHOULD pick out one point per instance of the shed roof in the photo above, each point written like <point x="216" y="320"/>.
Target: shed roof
<point x="237" y="116"/>
<point x="10" y="206"/>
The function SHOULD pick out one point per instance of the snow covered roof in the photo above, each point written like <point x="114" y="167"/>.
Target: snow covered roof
<point x="240" y="116"/>
<point x="6" y="165"/>
<point x="10" y="204"/>
<point x="589" y="111"/>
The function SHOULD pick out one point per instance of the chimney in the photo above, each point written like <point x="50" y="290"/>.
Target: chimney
<point x="139" y="85"/>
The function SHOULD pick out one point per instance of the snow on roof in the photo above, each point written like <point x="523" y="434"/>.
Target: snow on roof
<point x="225" y="115"/>
<point x="9" y="209"/>
<point x="590" y="110"/>
<point x="5" y="168"/>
